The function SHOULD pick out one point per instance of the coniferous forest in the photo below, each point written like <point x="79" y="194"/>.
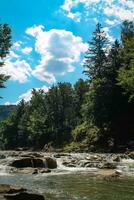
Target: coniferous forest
<point x="96" y="114"/>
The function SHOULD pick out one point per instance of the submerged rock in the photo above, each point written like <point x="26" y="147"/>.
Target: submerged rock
<point x="24" y="196"/>
<point x="5" y="188"/>
<point x="18" y="193"/>
<point x="109" y="175"/>
<point x="45" y="171"/>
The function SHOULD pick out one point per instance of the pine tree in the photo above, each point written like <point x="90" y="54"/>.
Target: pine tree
<point x="5" y="44"/>
<point x="95" y="57"/>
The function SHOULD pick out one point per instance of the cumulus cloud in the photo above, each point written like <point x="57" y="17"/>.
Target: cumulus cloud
<point x="19" y="70"/>
<point x="15" y="65"/>
<point x="59" y="51"/>
<point x="27" y="50"/>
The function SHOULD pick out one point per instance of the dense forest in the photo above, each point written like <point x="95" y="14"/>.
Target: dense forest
<point x="96" y="114"/>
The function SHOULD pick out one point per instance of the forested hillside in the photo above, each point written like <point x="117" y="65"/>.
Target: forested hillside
<point x="96" y="114"/>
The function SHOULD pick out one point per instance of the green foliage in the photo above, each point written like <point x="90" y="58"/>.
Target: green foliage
<point x="109" y="72"/>
<point x="5" y="44"/>
<point x="47" y="117"/>
<point x="126" y="74"/>
<point x="84" y="131"/>
<point x="95" y="57"/>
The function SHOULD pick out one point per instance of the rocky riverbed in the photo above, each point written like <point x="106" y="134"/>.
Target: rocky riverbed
<point x="38" y="165"/>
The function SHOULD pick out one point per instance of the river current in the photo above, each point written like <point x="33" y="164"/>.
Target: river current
<point x="72" y="184"/>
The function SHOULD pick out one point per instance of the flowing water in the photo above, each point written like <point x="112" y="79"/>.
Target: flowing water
<point x="72" y="184"/>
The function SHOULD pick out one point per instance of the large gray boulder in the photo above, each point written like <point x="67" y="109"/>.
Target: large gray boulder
<point x="46" y="162"/>
<point x="51" y="163"/>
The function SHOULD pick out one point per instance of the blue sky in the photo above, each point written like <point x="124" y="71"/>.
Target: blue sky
<point x="50" y="37"/>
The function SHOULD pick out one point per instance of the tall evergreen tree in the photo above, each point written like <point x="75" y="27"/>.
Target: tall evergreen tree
<point x="95" y="57"/>
<point x="5" y="44"/>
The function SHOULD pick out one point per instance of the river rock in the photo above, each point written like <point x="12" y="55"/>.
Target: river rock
<point x="109" y="165"/>
<point x="35" y="171"/>
<point x="28" y="162"/>
<point x="51" y="163"/>
<point x="45" y="171"/>
<point x="24" y="196"/>
<point x="96" y="158"/>
<point x="131" y="155"/>
<point x="59" y="155"/>
<point x="117" y="159"/>
<point x="2" y="156"/>
<point x="31" y="155"/>
<point x="5" y="188"/>
<point x="27" y="170"/>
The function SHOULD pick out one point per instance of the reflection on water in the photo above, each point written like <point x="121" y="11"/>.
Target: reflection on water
<point x="78" y="186"/>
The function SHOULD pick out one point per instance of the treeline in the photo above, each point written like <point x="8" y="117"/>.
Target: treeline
<point x="95" y="114"/>
<point x="47" y="117"/>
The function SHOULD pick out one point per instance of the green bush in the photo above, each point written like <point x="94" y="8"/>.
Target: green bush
<point x="84" y="131"/>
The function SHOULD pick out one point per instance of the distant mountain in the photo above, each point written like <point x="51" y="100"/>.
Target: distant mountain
<point x="6" y="110"/>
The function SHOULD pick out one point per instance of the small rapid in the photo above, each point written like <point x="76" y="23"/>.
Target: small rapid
<point x="75" y="178"/>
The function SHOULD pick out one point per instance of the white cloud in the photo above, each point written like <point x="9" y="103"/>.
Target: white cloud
<point x="119" y="10"/>
<point x="111" y="22"/>
<point x="109" y="37"/>
<point x="121" y="13"/>
<point x="19" y="70"/>
<point x="59" y="51"/>
<point x="75" y="16"/>
<point x="70" y="4"/>
<point x="27" y="50"/>
<point x="8" y="103"/>
<point x="28" y="94"/>
<point x="12" y="54"/>
<point x="17" y="45"/>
